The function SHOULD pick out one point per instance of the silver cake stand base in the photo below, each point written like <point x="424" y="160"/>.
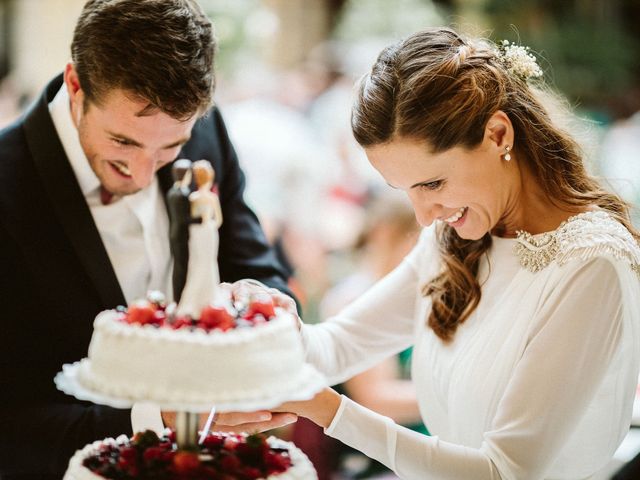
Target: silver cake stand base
<point x="187" y="429"/>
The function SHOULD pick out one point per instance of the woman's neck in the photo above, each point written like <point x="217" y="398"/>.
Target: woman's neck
<point x="533" y="211"/>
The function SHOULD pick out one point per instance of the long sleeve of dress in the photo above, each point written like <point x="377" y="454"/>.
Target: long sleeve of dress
<point x="576" y="333"/>
<point x="377" y="325"/>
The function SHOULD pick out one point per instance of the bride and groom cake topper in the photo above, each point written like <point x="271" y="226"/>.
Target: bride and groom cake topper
<point x="195" y="217"/>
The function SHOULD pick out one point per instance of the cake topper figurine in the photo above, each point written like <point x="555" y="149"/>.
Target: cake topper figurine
<point x="202" y="277"/>
<point x="180" y="219"/>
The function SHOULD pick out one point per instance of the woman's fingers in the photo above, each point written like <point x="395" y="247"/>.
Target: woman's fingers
<point x="232" y="419"/>
<point x="243" y="290"/>
<point x="238" y="422"/>
<point x="242" y="422"/>
<point x="284" y="301"/>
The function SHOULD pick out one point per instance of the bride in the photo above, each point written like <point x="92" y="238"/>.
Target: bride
<point x="203" y="278"/>
<point x="521" y="298"/>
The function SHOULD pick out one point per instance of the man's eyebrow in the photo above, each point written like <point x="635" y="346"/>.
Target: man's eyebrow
<point x="177" y="143"/>
<point x="133" y="142"/>
<point x="120" y="136"/>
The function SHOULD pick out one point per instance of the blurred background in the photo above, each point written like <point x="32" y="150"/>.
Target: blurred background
<point x="286" y="70"/>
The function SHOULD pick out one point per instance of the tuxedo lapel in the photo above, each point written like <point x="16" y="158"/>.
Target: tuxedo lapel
<point x="165" y="180"/>
<point x="67" y="200"/>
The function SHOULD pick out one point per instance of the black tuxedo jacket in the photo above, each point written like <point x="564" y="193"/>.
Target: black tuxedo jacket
<point x="55" y="276"/>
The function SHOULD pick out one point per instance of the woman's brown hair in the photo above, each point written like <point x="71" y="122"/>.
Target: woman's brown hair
<point x="440" y="88"/>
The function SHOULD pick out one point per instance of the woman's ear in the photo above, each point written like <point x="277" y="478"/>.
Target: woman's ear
<point x="499" y="130"/>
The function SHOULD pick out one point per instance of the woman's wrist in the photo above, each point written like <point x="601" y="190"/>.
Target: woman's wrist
<point x="328" y="403"/>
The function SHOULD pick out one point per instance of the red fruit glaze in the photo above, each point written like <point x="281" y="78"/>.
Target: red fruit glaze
<point x="230" y="443"/>
<point x="181" y="322"/>
<point x="159" y="317"/>
<point x="186" y="462"/>
<point x="213" y="317"/>
<point x="230" y="463"/>
<point x="262" y="305"/>
<point x="154" y="453"/>
<point x="141" y="314"/>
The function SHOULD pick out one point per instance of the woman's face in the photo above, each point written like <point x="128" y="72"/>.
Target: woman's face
<point x="471" y="190"/>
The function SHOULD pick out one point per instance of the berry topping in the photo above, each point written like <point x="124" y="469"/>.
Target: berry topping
<point x="146" y="439"/>
<point x="182" y="322"/>
<point x="221" y="456"/>
<point x="213" y="317"/>
<point x="142" y="313"/>
<point x="186" y="463"/>
<point x="260" y="305"/>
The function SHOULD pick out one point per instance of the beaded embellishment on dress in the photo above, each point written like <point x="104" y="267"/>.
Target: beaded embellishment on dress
<point x="582" y="236"/>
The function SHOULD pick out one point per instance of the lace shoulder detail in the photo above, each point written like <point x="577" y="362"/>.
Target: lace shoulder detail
<point x="582" y="236"/>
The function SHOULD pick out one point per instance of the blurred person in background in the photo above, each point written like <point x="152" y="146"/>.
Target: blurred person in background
<point x="84" y="224"/>
<point x="295" y="132"/>
<point x="521" y="297"/>
<point x="390" y="233"/>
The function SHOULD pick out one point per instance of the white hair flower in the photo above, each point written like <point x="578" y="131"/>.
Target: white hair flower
<point x="518" y="60"/>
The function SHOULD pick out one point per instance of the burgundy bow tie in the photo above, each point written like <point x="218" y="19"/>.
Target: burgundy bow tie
<point x="105" y="196"/>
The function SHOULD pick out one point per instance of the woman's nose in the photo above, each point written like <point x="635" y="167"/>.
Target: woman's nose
<point x="426" y="214"/>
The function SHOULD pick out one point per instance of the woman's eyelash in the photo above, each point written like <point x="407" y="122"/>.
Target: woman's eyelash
<point x="433" y="186"/>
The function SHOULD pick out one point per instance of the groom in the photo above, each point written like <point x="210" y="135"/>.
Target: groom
<point x="83" y="220"/>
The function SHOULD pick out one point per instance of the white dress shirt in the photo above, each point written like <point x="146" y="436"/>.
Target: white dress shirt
<point x="134" y="230"/>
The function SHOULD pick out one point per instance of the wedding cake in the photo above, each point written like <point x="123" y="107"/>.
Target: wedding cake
<point x="245" y="357"/>
<point x="210" y="349"/>
<point x="220" y="456"/>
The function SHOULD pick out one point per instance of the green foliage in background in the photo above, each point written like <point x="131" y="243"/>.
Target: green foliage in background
<point x="232" y="20"/>
<point x="584" y="48"/>
<point x="364" y="19"/>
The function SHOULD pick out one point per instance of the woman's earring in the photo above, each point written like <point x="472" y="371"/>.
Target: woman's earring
<point x="507" y="155"/>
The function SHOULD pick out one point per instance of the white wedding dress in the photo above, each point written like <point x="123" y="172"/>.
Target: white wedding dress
<point x="537" y="384"/>
<point x="203" y="279"/>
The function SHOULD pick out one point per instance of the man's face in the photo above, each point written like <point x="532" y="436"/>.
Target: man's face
<point x="125" y="149"/>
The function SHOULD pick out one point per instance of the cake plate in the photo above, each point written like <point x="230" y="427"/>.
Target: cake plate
<point x="187" y="413"/>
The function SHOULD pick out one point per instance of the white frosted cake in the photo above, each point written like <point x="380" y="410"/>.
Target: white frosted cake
<point x="209" y="350"/>
<point x="245" y="359"/>
<point x="220" y="455"/>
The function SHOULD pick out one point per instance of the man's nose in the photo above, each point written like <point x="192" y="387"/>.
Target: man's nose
<point x="142" y="169"/>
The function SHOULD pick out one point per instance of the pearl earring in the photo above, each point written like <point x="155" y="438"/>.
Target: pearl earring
<point x="507" y="155"/>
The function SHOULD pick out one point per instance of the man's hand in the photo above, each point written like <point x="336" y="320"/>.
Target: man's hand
<point x="237" y="422"/>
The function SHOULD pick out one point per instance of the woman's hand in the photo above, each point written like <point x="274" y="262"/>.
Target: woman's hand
<point x="250" y="422"/>
<point x="243" y="290"/>
<point x="321" y="409"/>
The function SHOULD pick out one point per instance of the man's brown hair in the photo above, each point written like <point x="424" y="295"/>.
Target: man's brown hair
<point x="160" y="51"/>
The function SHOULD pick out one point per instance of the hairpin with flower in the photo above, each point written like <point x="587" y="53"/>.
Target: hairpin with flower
<point x="518" y="60"/>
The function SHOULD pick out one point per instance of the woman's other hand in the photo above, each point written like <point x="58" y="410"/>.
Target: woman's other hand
<point x="237" y="422"/>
